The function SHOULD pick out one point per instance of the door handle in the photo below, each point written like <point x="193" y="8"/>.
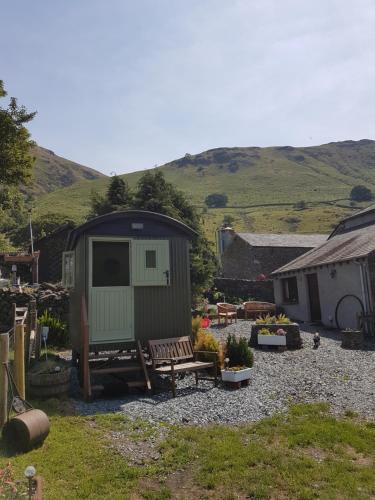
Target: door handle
<point x="167" y="276"/>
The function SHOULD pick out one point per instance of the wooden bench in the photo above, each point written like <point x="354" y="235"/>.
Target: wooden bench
<point x="226" y="311"/>
<point x="255" y="309"/>
<point x="176" y="355"/>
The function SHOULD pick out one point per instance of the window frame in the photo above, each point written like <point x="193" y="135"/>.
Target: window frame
<point x="68" y="276"/>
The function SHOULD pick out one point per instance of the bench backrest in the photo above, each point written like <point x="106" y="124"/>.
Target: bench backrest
<point x="259" y="306"/>
<point x="179" y="348"/>
<point x="223" y="307"/>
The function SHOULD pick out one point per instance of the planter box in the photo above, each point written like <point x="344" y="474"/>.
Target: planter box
<point x="49" y="385"/>
<point x="239" y="376"/>
<point x="293" y="336"/>
<point x="271" y="339"/>
<point x="352" y="339"/>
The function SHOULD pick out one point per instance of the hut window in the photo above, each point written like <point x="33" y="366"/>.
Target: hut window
<point x="290" y="290"/>
<point x="110" y="263"/>
<point x="151" y="259"/>
<point x="68" y="269"/>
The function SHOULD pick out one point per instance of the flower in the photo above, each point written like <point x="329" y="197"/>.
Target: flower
<point x="280" y="331"/>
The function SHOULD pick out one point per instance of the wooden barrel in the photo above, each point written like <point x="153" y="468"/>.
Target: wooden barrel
<point x="49" y="385"/>
<point x="25" y="431"/>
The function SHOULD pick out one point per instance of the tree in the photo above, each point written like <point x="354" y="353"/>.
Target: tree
<point x="42" y="226"/>
<point x="228" y="220"/>
<point x="16" y="161"/>
<point x="216" y="200"/>
<point x="155" y="194"/>
<point x="361" y="193"/>
<point x="300" y="205"/>
<point x="117" y="197"/>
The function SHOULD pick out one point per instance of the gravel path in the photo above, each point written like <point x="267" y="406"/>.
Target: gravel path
<point x="344" y="378"/>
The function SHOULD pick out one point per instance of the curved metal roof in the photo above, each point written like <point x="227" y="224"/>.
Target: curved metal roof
<point x="127" y="214"/>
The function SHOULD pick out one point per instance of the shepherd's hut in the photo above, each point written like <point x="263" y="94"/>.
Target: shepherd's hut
<point x="129" y="280"/>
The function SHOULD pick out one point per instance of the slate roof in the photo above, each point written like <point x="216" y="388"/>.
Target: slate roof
<point x="343" y="247"/>
<point x="283" y="240"/>
<point x="358" y="213"/>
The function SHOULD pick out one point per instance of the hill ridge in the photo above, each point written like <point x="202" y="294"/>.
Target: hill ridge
<point x="254" y="177"/>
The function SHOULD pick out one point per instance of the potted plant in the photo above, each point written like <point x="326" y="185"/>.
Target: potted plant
<point x="266" y="337"/>
<point x="238" y="362"/>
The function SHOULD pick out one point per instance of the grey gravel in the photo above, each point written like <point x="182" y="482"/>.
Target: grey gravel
<point x="344" y="378"/>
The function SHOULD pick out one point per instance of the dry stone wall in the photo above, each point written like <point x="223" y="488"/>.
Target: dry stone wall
<point x="54" y="298"/>
<point x="256" y="290"/>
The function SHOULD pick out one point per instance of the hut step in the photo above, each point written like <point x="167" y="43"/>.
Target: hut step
<point x="136" y="383"/>
<point x="98" y="387"/>
<point x="116" y="369"/>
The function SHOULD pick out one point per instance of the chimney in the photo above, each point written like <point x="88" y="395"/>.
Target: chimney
<point x="225" y="235"/>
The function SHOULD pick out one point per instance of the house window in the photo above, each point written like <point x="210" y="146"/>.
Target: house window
<point x="290" y="290"/>
<point x="68" y="269"/>
<point x="151" y="259"/>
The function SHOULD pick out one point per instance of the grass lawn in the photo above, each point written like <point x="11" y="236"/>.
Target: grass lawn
<point x="306" y="453"/>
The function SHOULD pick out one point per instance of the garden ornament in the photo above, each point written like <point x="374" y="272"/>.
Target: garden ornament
<point x="316" y="340"/>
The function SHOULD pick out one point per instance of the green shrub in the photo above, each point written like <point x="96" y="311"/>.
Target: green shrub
<point x="264" y="331"/>
<point x="58" y="330"/>
<point x="238" y="352"/>
<point x="195" y="327"/>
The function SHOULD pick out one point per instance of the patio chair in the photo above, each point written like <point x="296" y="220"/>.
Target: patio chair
<point x="227" y="312"/>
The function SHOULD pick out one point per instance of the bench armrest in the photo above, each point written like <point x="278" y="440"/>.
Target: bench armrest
<point x="215" y="354"/>
<point x="206" y="352"/>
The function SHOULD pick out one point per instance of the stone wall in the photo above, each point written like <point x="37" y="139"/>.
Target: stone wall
<point x="51" y="297"/>
<point x="244" y="261"/>
<point x="256" y="290"/>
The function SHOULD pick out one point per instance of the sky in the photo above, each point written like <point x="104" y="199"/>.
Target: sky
<point x="124" y="85"/>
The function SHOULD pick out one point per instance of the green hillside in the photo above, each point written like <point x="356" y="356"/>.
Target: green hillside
<point x="52" y="172"/>
<point x="262" y="185"/>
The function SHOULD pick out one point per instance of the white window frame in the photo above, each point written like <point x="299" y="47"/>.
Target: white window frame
<point x="68" y="275"/>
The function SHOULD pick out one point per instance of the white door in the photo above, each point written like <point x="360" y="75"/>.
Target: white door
<point x="111" y="296"/>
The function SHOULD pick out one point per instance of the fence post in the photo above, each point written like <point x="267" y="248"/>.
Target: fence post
<point x="30" y="330"/>
<point x="19" y="359"/>
<point x="4" y="358"/>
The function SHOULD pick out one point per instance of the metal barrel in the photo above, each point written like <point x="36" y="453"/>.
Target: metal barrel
<point x="26" y="430"/>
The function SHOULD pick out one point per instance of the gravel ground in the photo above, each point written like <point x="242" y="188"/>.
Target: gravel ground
<point x="344" y="378"/>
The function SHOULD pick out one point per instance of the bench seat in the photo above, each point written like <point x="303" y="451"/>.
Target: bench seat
<point x="185" y="367"/>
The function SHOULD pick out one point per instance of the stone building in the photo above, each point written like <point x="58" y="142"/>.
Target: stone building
<point x="335" y="282"/>
<point x="250" y="255"/>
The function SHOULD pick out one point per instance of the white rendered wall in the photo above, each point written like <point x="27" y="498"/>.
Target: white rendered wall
<point x="346" y="281"/>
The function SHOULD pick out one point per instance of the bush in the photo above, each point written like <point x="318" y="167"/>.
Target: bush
<point x="361" y="193"/>
<point x="58" y="330"/>
<point x="267" y="319"/>
<point x="206" y="342"/>
<point x="238" y="352"/>
<point x="195" y="327"/>
<point x="216" y="200"/>
<point x="300" y="205"/>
